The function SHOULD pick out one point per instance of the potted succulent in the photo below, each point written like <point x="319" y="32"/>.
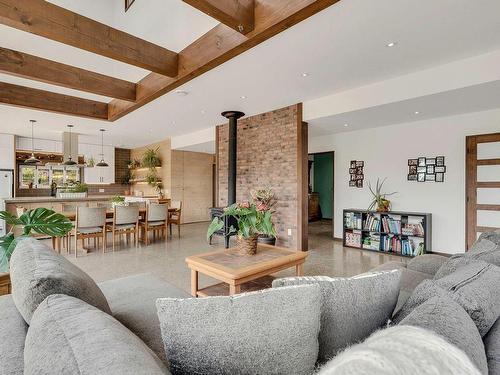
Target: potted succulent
<point x="252" y="221"/>
<point x="265" y="200"/>
<point x="118" y="201"/>
<point x="40" y="220"/>
<point x="380" y="201"/>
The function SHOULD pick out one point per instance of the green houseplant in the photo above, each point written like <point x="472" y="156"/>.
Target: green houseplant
<point x="151" y="158"/>
<point x="265" y="200"/>
<point x="379" y="201"/>
<point x="252" y="220"/>
<point x="40" y="220"/>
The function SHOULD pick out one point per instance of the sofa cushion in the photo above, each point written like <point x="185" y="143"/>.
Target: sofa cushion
<point x="133" y="302"/>
<point x="449" y="320"/>
<point x="274" y="331"/>
<point x="427" y="263"/>
<point x="402" y="350"/>
<point x="68" y="336"/>
<point x="493" y="236"/>
<point x="474" y="287"/>
<point x="13" y="331"/>
<point x="37" y="272"/>
<point x="492" y="347"/>
<point x="351" y="308"/>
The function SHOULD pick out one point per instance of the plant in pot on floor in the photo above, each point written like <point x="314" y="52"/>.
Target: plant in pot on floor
<point x="380" y="201"/>
<point x="265" y="200"/>
<point x="41" y="221"/>
<point x="251" y="220"/>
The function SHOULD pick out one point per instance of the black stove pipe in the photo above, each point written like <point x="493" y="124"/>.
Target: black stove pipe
<point x="233" y="117"/>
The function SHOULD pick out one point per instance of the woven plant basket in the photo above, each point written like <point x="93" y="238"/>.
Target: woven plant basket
<point x="248" y="245"/>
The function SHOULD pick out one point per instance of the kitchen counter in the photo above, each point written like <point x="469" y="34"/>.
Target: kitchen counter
<point x="25" y="200"/>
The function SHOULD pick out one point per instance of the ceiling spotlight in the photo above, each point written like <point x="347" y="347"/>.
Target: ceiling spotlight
<point x="417" y="112"/>
<point x="391" y="44"/>
<point x="203" y="111"/>
<point x="243" y="97"/>
<point x="346" y="125"/>
<point x="181" y="92"/>
<point x="305" y="74"/>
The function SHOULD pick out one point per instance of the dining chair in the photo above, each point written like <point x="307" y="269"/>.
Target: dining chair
<point x="90" y="223"/>
<point x="155" y="221"/>
<point x="125" y="222"/>
<point x="174" y="216"/>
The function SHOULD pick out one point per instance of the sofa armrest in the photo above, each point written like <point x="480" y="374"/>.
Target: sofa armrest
<point x="427" y="263"/>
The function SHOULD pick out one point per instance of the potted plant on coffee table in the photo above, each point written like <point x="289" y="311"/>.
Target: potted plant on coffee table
<point x="252" y="221"/>
<point x="265" y="200"/>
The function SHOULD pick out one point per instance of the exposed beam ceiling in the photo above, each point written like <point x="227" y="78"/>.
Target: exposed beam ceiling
<point x="28" y="66"/>
<point x="42" y="18"/>
<point x="237" y="14"/>
<point x="220" y="45"/>
<point x="52" y="102"/>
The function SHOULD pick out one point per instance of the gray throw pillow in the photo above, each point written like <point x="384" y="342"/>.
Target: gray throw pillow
<point x="68" y="336"/>
<point x="492" y="347"/>
<point x="351" y="308"/>
<point x="402" y="350"/>
<point x="474" y="287"/>
<point x="37" y="272"/>
<point x="274" y="331"/>
<point x="449" y="320"/>
<point x="483" y="249"/>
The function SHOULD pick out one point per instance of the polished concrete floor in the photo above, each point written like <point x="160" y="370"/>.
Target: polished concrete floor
<point x="166" y="259"/>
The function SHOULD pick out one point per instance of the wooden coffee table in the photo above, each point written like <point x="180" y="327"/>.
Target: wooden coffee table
<point x="234" y="268"/>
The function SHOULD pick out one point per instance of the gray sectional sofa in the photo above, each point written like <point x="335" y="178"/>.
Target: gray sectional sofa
<point x="55" y="297"/>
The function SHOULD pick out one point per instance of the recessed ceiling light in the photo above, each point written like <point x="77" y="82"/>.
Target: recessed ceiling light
<point x="305" y="74"/>
<point x="391" y="44"/>
<point x="417" y="112"/>
<point x="203" y="111"/>
<point x="243" y="97"/>
<point x="346" y="125"/>
<point x="181" y="92"/>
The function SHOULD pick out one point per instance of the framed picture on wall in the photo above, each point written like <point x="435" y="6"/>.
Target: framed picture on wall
<point x="430" y="177"/>
<point x="360" y="163"/>
<point x="421" y="162"/>
<point x="128" y="4"/>
<point x="421" y="169"/>
<point x="430" y="161"/>
<point x="412" y="162"/>
<point x="440" y="161"/>
<point x="359" y="183"/>
<point x="413" y="169"/>
<point x="430" y="169"/>
<point x="412" y="177"/>
<point x="352" y="183"/>
<point x="440" y="169"/>
<point x="439" y="177"/>
<point x="421" y="177"/>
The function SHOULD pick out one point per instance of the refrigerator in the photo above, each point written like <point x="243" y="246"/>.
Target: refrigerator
<point x="6" y="192"/>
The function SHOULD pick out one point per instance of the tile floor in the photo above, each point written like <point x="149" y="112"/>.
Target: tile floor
<point x="166" y="259"/>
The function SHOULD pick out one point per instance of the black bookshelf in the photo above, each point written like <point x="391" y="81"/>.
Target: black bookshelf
<point x="394" y="232"/>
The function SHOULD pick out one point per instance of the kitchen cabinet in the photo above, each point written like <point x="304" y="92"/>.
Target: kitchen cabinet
<point x="41" y="145"/>
<point x="98" y="175"/>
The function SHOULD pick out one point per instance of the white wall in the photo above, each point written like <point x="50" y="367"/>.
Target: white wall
<point x="386" y="152"/>
<point x="7" y="159"/>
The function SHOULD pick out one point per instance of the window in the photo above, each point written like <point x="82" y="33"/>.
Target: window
<point x="43" y="178"/>
<point x="26" y="176"/>
<point x="58" y="176"/>
<point x="72" y="175"/>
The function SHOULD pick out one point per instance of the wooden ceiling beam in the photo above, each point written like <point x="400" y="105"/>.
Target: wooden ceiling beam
<point x="45" y="19"/>
<point x="28" y="66"/>
<point x="237" y="14"/>
<point x="27" y="97"/>
<point x="220" y="45"/>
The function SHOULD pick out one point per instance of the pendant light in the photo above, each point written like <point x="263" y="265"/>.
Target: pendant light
<point x="102" y="163"/>
<point x="70" y="160"/>
<point x="32" y="159"/>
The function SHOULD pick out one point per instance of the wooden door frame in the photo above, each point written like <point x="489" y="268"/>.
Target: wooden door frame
<point x="333" y="185"/>
<point x="471" y="186"/>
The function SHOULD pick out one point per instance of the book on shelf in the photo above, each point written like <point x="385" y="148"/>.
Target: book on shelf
<point x="372" y="242"/>
<point x="353" y="238"/>
<point x="353" y="220"/>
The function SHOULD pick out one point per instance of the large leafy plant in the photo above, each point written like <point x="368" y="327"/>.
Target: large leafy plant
<point x="41" y="220"/>
<point x="151" y="158"/>
<point x="252" y="220"/>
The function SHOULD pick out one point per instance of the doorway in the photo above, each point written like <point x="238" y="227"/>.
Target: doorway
<point x="321" y="204"/>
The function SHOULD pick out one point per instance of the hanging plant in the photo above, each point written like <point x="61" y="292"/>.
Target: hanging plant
<point x="151" y="158"/>
<point x="152" y="178"/>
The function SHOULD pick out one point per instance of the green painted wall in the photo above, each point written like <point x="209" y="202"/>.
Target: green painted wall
<point x="323" y="182"/>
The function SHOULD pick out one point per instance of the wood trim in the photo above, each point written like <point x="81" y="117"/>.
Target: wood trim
<point x="488" y="138"/>
<point x="217" y="201"/>
<point x="486" y="229"/>
<point x="470" y="191"/>
<point x="237" y="14"/>
<point x="28" y="66"/>
<point x="302" y="188"/>
<point x="488" y="184"/>
<point x="5" y="285"/>
<point x="220" y="45"/>
<point x="488" y="207"/>
<point x="48" y="101"/>
<point x="50" y="21"/>
<point x="488" y="162"/>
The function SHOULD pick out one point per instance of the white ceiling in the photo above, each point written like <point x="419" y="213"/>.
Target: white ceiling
<point x="341" y="48"/>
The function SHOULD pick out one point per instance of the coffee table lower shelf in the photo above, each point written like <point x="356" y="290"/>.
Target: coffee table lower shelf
<point x="222" y="289"/>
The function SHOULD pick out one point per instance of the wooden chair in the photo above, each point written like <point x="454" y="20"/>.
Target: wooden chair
<point x="90" y="223"/>
<point x="125" y="222"/>
<point x="155" y="221"/>
<point x="174" y="217"/>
